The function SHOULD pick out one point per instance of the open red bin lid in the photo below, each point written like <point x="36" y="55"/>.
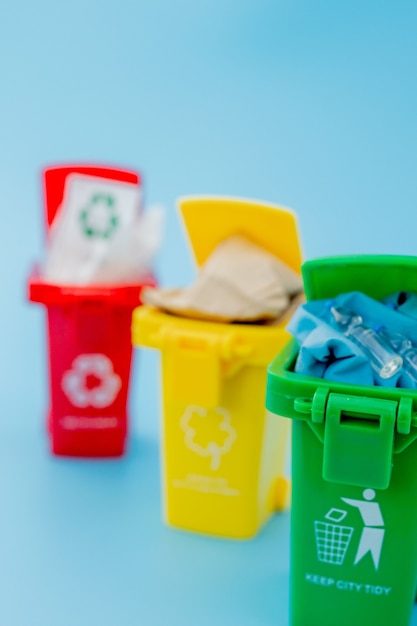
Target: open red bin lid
<point x="54" y="179"/>
<point x="123" y="294"/>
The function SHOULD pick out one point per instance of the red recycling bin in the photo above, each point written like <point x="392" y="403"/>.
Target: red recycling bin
<point x="89" y="345"/>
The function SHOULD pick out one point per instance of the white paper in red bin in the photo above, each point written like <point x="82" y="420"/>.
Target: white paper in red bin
<point x="100" y="233"/>
<point x="240" y="281"/>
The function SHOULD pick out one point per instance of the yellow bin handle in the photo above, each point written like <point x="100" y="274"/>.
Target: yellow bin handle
<point x="196" y="363"/>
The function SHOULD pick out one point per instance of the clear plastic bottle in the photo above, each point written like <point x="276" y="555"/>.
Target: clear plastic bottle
<point x="402" y="346"/>
<point x="383" y="359"/>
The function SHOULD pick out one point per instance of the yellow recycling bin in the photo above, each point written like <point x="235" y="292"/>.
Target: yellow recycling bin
<point x="223" y="455"/>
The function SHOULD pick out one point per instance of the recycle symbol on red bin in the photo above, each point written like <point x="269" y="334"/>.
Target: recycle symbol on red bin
<point x="91" y="381"/>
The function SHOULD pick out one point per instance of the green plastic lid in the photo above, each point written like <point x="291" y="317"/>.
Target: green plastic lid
<point x="375" y="275"/>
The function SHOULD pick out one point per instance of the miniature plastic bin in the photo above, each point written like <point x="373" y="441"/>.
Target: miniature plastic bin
<point x="89" y="346"/>
<point x="223" y="455"/>
<point x="354" y="476"/>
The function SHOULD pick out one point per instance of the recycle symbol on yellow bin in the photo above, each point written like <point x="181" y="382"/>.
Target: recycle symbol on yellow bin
<point x="99" y="218"/>
<point x="220" y="432"/>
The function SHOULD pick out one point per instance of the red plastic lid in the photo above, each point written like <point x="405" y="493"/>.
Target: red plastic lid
<point x="55" y="177"/>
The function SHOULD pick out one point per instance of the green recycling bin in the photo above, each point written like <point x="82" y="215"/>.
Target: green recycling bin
<point x="354" y="471"/>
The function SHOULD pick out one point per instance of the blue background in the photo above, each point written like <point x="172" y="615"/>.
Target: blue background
<point x="307" y="104"/>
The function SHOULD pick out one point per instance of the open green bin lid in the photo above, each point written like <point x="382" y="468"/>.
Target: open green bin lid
<point x="361" y="428"/>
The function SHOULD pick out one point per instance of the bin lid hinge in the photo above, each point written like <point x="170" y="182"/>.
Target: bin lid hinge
<point x="359" y="440"/>
<point x="359" y="434"/>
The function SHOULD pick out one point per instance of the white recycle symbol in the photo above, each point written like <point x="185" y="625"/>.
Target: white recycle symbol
<point x="75" y="381"/>
<point x="212" y="449"/>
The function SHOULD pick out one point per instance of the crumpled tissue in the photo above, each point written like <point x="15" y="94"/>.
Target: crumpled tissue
<point x="328" y="354"/>
<point x="240" y="281"/>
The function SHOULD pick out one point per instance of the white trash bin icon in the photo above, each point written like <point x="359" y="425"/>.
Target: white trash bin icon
<point x="332" y="539"/>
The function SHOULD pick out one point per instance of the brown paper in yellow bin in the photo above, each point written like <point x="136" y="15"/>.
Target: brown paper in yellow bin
<point x="239" y="281"/>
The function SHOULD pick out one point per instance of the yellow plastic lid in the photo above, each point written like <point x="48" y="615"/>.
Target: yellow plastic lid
<point x="210" y="220"/>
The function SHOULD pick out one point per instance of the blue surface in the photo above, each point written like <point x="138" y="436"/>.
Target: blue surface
<point x="308" y="104"/>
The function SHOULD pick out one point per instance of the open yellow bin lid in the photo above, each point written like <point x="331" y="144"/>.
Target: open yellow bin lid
<point x="210" y="220"/>
<point x="208" y="353"/>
